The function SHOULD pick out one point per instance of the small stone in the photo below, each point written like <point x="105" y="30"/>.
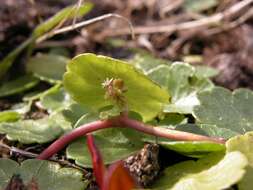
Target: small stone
<point x="144" y="165"/>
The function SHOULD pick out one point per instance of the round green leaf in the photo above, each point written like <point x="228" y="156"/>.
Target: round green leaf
<point x="184" y="84"/>
<point x="55" y="100"/>
<point x="182" y="80"/>
<point x="46" y="175"/>
<point x="205" y="71"/>
<point x="86" y="73"/>
<point x="74" y="112"/>
<point x="145" y="62"/>
<point x="209" y="173"/>
<point x="35" y="131"/>
<point x="244" y="144"/>
<point x="223" y="109"/>
<point x="48" y="67"/>
<point x="7" y="169"/>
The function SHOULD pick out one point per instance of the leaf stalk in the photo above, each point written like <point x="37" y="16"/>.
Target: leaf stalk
<point x="126" y="122"/>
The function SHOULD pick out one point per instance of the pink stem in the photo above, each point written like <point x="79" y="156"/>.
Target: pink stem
<point x="122" y="121"/>
<point x="74" y="134"/>
<point x="166" y="133"/>
<point x="97" y="161"/>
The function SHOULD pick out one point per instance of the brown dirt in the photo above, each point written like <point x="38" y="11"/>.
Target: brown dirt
<point x="4" y="105"/>
<point x="232" y="54"/>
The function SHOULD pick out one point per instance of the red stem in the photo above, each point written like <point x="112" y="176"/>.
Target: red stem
<point x="166" y="133"/>
<point x="122" y="121"/>
<point x="97" y="161"/>
<point x="74" y="134"/>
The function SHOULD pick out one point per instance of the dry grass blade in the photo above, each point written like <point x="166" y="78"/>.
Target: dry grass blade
<point x="78" y="5"/>
<point x="214" y="20"/>
<point x="231" y="25"/>
<point x="86" y="23"/>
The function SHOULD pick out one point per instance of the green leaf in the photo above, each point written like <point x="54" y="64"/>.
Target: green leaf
<point x="48" y="67"/>
<point x="207" y="130"/>
<point x="184" y="84"/>
<point x="224" y="110"/>
<point x="47" y="175"/>
<point x="160" y="75"/>
<point x="213" y="131"/>
<point x="246" y="182"/>
<point x="199" y="5"/>
<point x="114" y="144"/>
<point x="9" y="116"/>
<point x="86" y="118"/>
<point x="244" y="144"/>
<point x="35" y="131"/>
<point x="86" y="73"/>
<point x="74" y="112"/>
<point x="56" y="100"/>
<point x="64" y="14"/>
<point x="205" y="71"/>
<point x="182" y="80"/>
<point x="60" y="50"/>
<point x="7" y="169"/>
<point x="170" y="120"/>
<point x="18" y="85"/>
<point x="210" y="173"/>
<point x="40" y="94"/>
<point x="193" y="149"/>
<point x="22" y="108"/>
<point x="16" y="112"/>
<point x="145" y="62"/>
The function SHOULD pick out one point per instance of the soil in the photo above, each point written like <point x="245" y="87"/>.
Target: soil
<point x="4" y="105"/>
<point x="232" y="54"/>
<point x="36" y="112"/>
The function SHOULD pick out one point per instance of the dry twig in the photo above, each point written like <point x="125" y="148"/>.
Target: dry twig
<point x="214" y="20"/>
<point x="172" y="5"/>
<point x="27" y="154"/>
<point x="18" y="151"/>
<point x="231" y="25"/>
<point x="78" y="5"/>
<point x="86" y="23"/>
